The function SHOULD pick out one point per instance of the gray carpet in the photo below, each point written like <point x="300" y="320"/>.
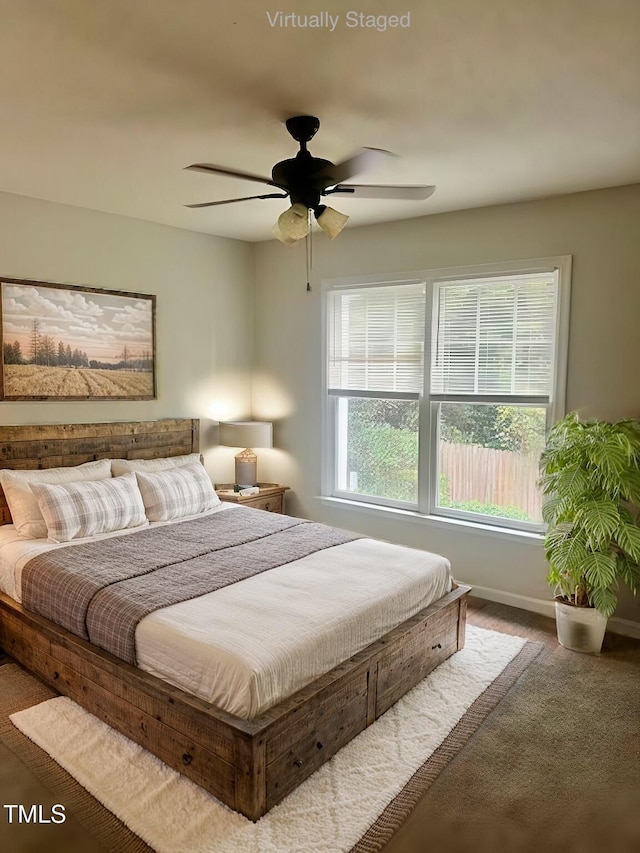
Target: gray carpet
<point x="556" y="767"/>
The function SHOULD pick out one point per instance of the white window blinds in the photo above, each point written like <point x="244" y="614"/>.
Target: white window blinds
<point x="376" y="338"/>
<point x="495" y="337"/>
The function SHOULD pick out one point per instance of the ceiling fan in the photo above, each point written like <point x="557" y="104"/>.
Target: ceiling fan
<point x="306" y="179"/>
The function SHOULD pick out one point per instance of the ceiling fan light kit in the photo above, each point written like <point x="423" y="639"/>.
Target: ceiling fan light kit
<point x="306" y="179"/>
<point x="293" y="224"/>
<point x="330" y="220"/>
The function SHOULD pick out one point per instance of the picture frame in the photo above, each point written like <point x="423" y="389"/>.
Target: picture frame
<point x="71" y="342"/>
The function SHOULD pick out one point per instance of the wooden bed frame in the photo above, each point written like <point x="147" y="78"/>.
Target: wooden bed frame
<point x="248" y="765"/>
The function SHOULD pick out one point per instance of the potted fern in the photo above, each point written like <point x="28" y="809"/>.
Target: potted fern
<point x="590" y="478"/>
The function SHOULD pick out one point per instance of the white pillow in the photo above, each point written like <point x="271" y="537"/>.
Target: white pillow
<point x="177" y="493"/>
<point x="123" y="466"/>
<point x="22" y="502"/>
<point x="76" y="510"/>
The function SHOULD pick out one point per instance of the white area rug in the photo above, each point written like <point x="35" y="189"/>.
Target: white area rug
<point x="330" y="812"/>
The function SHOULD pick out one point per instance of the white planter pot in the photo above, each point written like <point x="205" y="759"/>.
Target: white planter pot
<point x="580" y="629"/>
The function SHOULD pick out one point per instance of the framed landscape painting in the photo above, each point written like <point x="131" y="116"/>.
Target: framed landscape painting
<point x="67" y="342"/>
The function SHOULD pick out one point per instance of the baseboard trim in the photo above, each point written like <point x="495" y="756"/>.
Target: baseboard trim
<point x="626" y="627"/>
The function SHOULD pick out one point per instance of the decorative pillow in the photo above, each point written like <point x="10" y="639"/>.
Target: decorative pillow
<point x="151" y="466"/>
<point x="75" y="510"/>
<point x="25" y="511"/>
<point x="177" y="493"/>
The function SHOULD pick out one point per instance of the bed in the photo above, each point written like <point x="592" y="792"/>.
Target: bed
<point x="253" y="756"/>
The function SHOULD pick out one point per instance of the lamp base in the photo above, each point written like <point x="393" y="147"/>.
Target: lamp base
<point x="246" y="468"/>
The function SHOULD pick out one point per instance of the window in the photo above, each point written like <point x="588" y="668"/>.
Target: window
<point x="441" y="388"/>
<point x="376" y="374"/>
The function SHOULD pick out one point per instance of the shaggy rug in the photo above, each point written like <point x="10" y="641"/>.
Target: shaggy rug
<point x="353" y="803"/>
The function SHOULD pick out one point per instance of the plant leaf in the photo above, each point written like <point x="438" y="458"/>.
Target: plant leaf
<point x="629" y="572"/>
<point x="610" y="459"/>
<point x="631" y="486"/>
<point x="628" y="538"/>
<point x="550" y="510"/>
<point x="555" y="536"/>
<point x="600" y="569"/>
<point x="604" y="600"/>
<point x="568" y="555"/>
<point x="572" y="481"/>
<point x="599" y="519"/>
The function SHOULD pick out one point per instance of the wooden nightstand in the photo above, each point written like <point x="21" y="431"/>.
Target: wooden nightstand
<point x="270" y="497"/>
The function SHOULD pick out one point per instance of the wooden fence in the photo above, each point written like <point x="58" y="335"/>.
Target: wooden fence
<point x="490" y="476"/>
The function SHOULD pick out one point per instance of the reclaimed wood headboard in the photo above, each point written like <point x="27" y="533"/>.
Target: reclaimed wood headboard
<point x="63" y="445"/>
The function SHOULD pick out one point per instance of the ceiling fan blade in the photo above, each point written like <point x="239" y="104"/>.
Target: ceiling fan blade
<point x="210" y="169"/>
<point x="365" y="159"/>
<point x="412" y="193"/>
<point x="233" y="200"/>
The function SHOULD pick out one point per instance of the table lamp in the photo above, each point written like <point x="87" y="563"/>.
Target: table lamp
<point x="247" y="434"/>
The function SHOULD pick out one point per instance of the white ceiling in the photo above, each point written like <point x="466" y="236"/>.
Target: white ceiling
<point x="103" y="102"/>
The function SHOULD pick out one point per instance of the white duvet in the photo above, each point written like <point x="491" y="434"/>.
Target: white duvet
<point x="249" y="645"/>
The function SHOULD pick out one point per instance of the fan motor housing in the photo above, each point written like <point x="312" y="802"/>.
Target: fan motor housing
<point x="297" y="177"/>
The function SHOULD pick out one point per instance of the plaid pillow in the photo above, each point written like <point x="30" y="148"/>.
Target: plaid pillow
<point x="75" y="510"/>
<point x="152" y="466"/>
<point x="25" y="511"/>
<point x="176" y="493"/>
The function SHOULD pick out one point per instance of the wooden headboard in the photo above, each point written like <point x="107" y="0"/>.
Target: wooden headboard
<point x="63" y="445"/>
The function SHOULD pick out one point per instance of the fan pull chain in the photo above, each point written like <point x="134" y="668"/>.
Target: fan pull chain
<point x="309" y="251"/>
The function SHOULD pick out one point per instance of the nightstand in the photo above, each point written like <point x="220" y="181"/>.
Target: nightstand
<point x="270" y="497"/>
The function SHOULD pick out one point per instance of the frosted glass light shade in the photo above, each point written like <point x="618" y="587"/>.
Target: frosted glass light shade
<point x="277" y="233"/>
<point x="332" y="222"/>
<point x="293" y="224"/>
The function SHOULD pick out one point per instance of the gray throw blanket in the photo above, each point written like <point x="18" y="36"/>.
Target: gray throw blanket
<point x="101" y="590"/>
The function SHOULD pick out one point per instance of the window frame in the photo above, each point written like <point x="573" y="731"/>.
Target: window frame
<point x="427" y="468"/>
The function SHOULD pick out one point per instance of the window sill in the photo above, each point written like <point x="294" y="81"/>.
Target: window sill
<point x="437" y="521"/>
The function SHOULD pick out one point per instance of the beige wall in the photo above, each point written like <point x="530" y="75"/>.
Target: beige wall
<point x="204" y="307"/>
<point x="599" y="229"/>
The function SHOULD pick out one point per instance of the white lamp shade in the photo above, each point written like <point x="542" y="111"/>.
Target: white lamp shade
<point x="246" y="434"/>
